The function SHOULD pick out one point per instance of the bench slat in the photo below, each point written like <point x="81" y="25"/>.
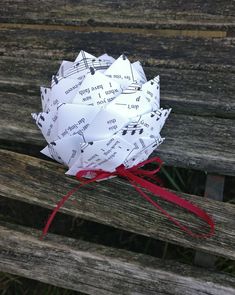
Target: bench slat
<point x="191" y="82"/>
<point x="191" y="141"/>
<point x="187" y="15"/>
<point x="177" y="52"/>
<point x="91" y="268"/>
<point x="184" y="91"/>
<point x="43" y="183"/>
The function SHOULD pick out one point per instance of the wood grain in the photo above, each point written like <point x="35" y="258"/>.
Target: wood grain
<point x="203" y="90"/>
<point x="195" y="92"/>
<point x="91" y="268"/>
<point x="192" y="81"/>
<point x="191" y="46"/>
<point x="196" y="14"/>
<point x="189" y="92"/>
<point x="198" y="142"/>
<point x="114" y="203"/>
<point x="178" y="52"/>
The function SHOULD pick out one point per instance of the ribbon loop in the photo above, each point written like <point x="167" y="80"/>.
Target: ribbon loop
<point x="135" y="176"/>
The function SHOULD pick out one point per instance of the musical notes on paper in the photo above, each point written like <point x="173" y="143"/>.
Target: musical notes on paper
<point x="123" y="72"/>
<point x="47" y="123"/>
<point x="130" y="104"/>
<point x="142" y="149"/>
<point x="104" y="125"/>
<point x="131" y="131"/>
<point x="151" y="90"/>
<point x="45" y="98"/>
<point x="100" y="113"/>
<point x="65" y="65"/>
<point x="66" y="83"/>
<point x="153" y="122"/>
<point x="104" y="154"/>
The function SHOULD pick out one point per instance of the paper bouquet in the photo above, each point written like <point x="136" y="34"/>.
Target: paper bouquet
<point x="102" y="118"/>
<point x="100" y="113"/>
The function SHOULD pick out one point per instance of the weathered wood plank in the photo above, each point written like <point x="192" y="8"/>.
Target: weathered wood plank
<point x="197" y="142"/>
<point x="157" y="14"/>
<point x="189" y="92"/>
<point x="186" y="91"/>
<point x="214" y="190"/>
<point x="178" y="52"/>
<point x="113" y="202"/>
<point x="164" y="32"/>
<point x="91" y="268"/>
<point x="208" y="90"/>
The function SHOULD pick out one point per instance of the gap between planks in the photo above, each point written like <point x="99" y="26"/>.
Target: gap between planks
<point x="150" y="32"/>
<point x="92" y="268"/>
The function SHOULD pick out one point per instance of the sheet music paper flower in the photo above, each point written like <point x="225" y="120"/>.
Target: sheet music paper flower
<point x="100" y="113"/>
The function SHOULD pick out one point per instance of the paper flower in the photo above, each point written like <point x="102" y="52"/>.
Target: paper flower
<point x="100" y="113"/>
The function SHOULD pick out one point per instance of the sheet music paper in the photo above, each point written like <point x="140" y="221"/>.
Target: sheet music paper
<point x="100" y="113"/>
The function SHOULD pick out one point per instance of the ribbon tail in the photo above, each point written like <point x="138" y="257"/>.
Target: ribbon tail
<point x="63" y="200"/>
<point x="56" y="209"/>
<point x="138" y="182"/>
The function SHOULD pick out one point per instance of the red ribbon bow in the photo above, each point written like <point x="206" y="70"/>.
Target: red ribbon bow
<point x="134" y="176"/>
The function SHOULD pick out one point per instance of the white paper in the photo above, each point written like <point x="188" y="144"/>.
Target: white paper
<point x="105" y="154"/>
<point x="153" y="122"/>
<point x="65" y="65"/>
<point x="123" y="72"/>
<point x="101" y="113"/>
<point x="74" y="119"/>
<point x="67" y="150"/>
<point x="47" y="123"/>
<point x="106" y="57"/>
<point x="151" y="90"/>
<point x="45" y="98"/>
<point x="104" y="125"/>
<point x="138" y="67"/>
<point x="142" y="149"/>
<point x="131" y="104"/>
<point x="66" y="83"/>
<point x="97" y="90"/>
<point x="50" y="152"/>
<point x="83" y="54"/>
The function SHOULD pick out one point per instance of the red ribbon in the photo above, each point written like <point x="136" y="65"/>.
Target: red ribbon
<point x="135" y="176"/>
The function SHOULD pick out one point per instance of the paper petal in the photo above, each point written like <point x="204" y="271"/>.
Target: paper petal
<point x="67" y="150"/>
<point x="130" y="104"/>
<point x="64" y="90"/>
<point x="75" y="119"/>
<point x="100" y="113"/>
<point x="51" y="153"/>
<point x="65" y="65"/>
<point x="97" y="90"/>
<point x="151" y="90"/>
<point x="123" y="72"/>
<point x="82" y="55"/>
<point x="105" y="154"/>
<point x="107" y="57"/>
<point x="105" y="124"/>
<point x="45" y="98"/>
<point x="138" y="67"/>
<point x="153" y="122"/>
<point x="142" y="149"/>
<point x="47" y="123"/>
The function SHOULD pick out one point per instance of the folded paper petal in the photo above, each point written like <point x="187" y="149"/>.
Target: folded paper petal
<point x="101" y="113"/>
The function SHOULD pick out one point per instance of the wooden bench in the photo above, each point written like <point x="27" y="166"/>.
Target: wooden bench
<point x="192" y="46"/>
